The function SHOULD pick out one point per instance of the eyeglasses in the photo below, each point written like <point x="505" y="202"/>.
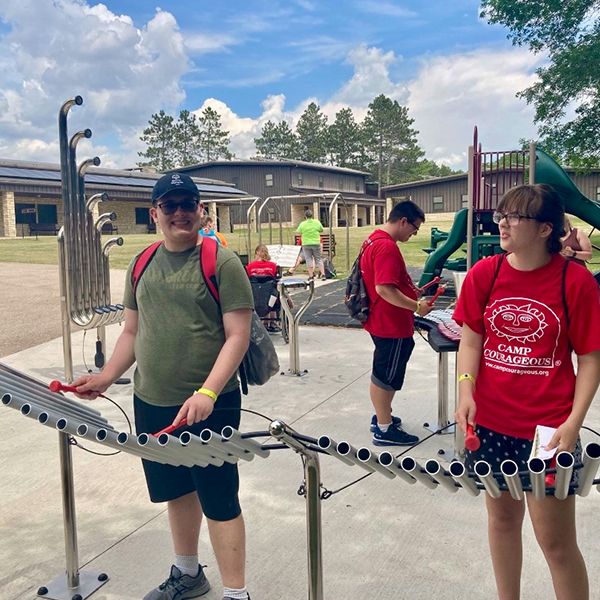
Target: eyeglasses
<point x="169" y="207"/>
<point x="511" y="218"/>
<point x="417" y="227"/>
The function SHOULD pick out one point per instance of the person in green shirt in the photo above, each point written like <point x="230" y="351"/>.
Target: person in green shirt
<point x="187" y="350"/>
<point x="310" y="230"/>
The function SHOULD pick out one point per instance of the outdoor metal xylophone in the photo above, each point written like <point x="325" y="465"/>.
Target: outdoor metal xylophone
<point x="36" y="401"/>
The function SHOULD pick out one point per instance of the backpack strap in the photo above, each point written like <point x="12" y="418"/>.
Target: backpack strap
<point x="208" y="266"/>
<point x="142" y="262"/>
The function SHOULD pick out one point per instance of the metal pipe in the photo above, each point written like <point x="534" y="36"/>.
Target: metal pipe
<point x="333" y="203"/>
<point x="174" y="455"/>
<point x="258" y="219"/>
<point x="413" y="468"/>
<point x="365" y="456"/>
<point x="458" y="472"/>
<point x="122" y="441"/>
<point x="510" y="472"/>
<point x="65" y="317"/>
<point x="564" y="470"/>
<point x="189" y="439"/>
<point x="171" y="443"/>
<point x="255" y="200"/>
<point x="387" y="460"/>
<point x="435" y="471"/>
<point x="328" y="445"/>
<point x="214" y="440"/>
<point x="108" y="438"/>
<point x="196" y="442"/>
<point x="537" y="476"/>
<point x="591" y="462"/>
<point x="483" y="470"/>
<point x="348" y="451"/>
<point x="233" y="436"/>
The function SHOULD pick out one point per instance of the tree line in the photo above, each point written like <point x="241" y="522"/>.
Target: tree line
<point x="383" y="144"/>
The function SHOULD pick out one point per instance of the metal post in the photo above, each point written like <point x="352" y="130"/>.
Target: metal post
<point x="68" y="502"/>
<point x="532" y="165"/>
<point x="312" y="480"/>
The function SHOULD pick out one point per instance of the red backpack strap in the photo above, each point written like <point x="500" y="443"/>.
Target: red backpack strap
<point x="208" y="266"/>
<point x="142" y="261"/>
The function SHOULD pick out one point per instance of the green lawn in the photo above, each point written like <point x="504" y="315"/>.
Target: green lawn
<point x="44" y="249"/>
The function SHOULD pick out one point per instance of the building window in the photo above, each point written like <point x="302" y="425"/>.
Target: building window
<point x="438" y="204"/>
<point x="142" y="216"/>
<point x="464" y="201"/>
<point x="269" y="179"/>
<point x="300" y="178"/>
<point x="321" y="181"/>
<point x="598" y="194"/>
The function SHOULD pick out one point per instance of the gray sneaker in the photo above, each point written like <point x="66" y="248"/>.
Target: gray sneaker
<point x="229" y="597"/>
<point x="180" y="587"/>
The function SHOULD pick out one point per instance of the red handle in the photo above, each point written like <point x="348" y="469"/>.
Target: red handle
<point x="441" y="289"/>
<point x="171" y="428"/>
<point x="432" y="282"/>
<point x="472" y="441"/>
<point x="57" y="386"/>
<point x="551" y="477"/>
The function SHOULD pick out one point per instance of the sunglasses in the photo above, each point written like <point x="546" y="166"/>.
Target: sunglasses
<point x="169" y="207"/>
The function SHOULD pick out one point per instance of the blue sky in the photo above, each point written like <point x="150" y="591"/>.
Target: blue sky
<point x="253" y="61"/>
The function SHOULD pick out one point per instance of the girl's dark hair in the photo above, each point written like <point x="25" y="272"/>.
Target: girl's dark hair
<point x="541" y="202"/>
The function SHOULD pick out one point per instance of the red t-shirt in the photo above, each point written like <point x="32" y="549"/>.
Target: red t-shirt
<point x="382" y="264"/>
<point x="526" y="375"/>
<point x="261" y="268"/>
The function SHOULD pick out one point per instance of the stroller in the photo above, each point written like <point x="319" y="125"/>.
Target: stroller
<point x="266" y="301"/>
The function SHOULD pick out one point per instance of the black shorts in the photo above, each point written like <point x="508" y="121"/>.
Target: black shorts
<point x="497" y="447"/>
<point x="389" y="361"/>
<point x="217" y="487"/>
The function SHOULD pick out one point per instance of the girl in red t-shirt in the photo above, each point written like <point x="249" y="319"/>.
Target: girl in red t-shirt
<point x="523" y="314"/>
<point x="263" y="266"/>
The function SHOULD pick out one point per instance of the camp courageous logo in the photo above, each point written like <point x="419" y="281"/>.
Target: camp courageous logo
<point x="522" y="333"/>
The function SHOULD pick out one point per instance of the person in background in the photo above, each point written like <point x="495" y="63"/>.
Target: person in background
<point x="523" y="315"/>
<point x="576" y="246"/>
<point x="185" y="366"/>
<point x="208" y="230"/>
<point x="393" y="302"/>
<point x="263" y="266"/>
<point x="310" y="230"/>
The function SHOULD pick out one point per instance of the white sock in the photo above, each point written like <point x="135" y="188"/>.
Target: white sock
<point x="384" y="428"/>
<point x="188" y="565"/>
<point x="236" y="594"/>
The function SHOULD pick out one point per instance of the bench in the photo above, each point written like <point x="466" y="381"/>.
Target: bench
<point x="43" y="229"/>
<point x="109" y="228"/>
<point x="326" y="243"/>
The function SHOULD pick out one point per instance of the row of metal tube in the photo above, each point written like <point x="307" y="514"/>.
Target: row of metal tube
<point x="83" y="257"/>
<point x="433" y="475"/>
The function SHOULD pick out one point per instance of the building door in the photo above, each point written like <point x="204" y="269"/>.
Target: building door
<point x="47" y="213"/>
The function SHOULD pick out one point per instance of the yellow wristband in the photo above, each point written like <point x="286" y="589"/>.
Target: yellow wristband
<point x="466" y="377"/>
<point x="418" y="307"/>
<point x="207" y="392"/>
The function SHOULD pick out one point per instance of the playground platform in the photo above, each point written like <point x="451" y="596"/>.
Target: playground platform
<point x="382" y="539"/>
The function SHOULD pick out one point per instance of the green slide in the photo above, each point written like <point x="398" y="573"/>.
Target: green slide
<point x="456" y="238"/>
<point x="548" y="171"/>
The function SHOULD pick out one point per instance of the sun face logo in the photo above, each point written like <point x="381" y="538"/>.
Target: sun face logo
<point x="520" y="322"/>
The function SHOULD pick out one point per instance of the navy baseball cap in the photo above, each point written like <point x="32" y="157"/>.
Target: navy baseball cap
<point x="174" y="182"/>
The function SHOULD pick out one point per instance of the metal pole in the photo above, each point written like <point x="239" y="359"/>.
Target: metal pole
<point x="532" y="158"/>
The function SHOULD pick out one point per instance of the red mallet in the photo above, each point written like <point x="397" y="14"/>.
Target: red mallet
<point x="441" y="289"/>
<point x="171" y="428"/>
<point x="432" y="282"/>
<point x="57" y="386"/>
<point x="472" y="441"/>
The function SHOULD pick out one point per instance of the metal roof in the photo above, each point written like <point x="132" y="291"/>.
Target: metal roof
<point x="126" y="179"/>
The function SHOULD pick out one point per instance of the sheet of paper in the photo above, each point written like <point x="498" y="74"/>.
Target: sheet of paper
<point x="284" y="256"/>
<point x="542" y="438"/>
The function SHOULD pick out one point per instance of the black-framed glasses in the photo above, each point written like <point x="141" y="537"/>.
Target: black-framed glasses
<point x="169" y="207"/>
<point x="417" y="227"/>
<point x="512" y="218"/>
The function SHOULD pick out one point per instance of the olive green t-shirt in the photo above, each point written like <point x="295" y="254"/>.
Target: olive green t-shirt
<point x="309" y="229"/>
<point x="180" y="328"/>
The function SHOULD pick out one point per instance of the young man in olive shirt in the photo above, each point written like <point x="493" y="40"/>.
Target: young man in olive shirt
<point x="182" y="342"/>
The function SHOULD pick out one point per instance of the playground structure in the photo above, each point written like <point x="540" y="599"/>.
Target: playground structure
<point x="491" y="175"/>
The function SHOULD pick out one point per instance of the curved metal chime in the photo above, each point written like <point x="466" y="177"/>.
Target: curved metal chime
<point x="83" y="257"/>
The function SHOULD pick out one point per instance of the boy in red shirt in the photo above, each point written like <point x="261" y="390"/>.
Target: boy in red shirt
<point x="523" y="314"/>
<point x="392" y="304"/>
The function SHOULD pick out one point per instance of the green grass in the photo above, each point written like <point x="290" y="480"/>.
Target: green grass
<point x="44" y="250"/>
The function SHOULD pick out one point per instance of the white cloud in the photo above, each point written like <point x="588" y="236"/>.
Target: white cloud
<point x="55" y="50"/>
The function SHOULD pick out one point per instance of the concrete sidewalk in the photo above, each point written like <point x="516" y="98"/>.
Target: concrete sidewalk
<point x="382" y="539"/>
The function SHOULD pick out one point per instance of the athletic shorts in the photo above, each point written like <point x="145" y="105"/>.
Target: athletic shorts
<point x="217" y="487"/>
<point x="312" y="252"/>
<point x="389" y="361"/>
<point x="497" y="447"/>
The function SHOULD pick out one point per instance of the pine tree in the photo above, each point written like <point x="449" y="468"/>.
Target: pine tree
<point x="213" y="141"/>
<point x="277" y="141"/>
<point x="159" y="139"/>
<point x="312" y="134"/>
<point x="344" y="140"/>
<point x="186" y="134"/>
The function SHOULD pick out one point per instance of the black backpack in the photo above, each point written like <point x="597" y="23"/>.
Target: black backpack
<point x="356" y="299"/>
